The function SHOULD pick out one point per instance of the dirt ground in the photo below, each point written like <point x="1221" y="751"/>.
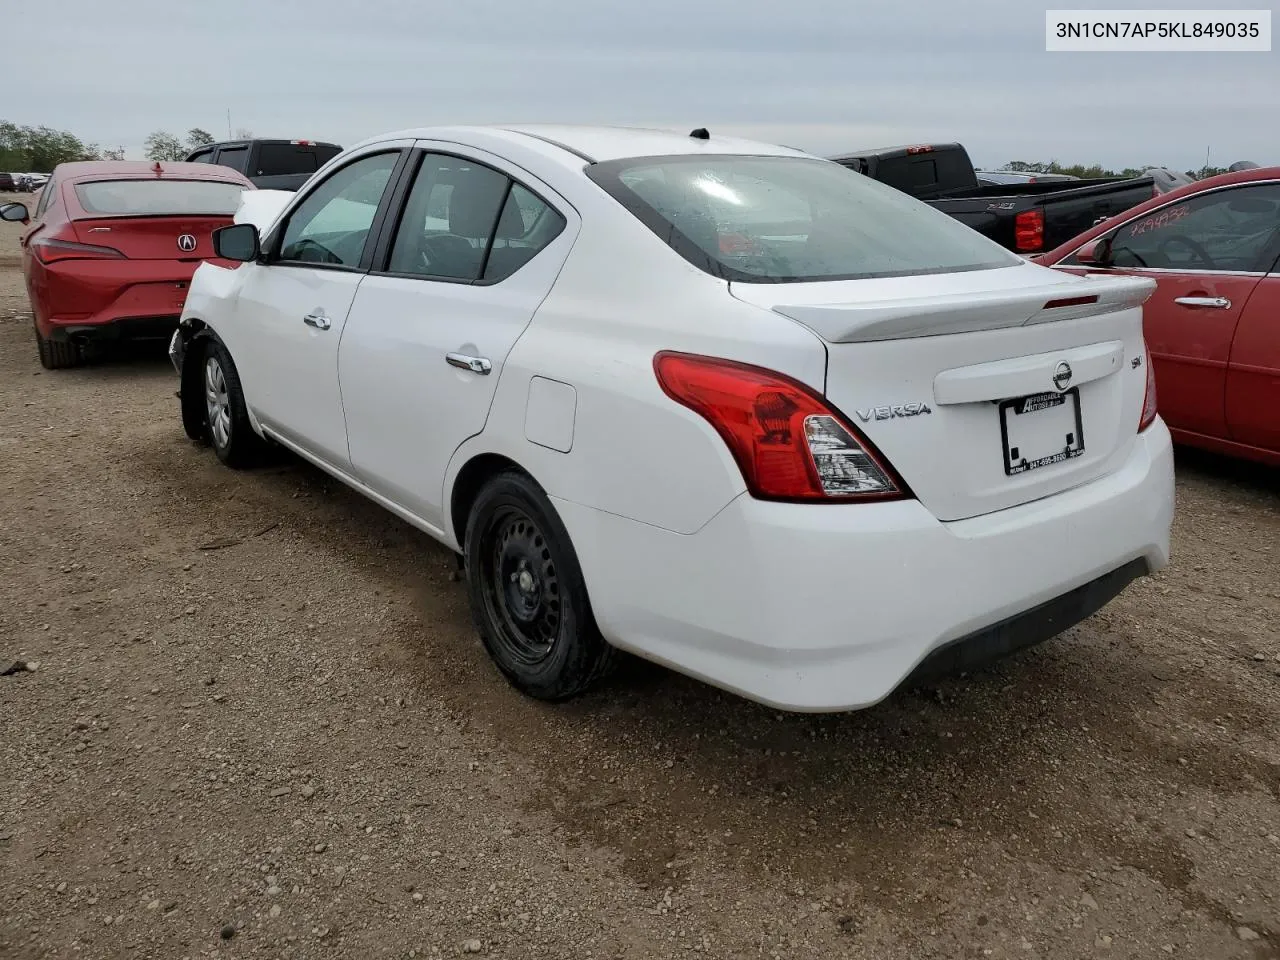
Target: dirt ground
<point x="262" y="726"/>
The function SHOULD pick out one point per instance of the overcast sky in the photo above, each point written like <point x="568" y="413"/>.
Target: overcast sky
<point x="817" y="74"/>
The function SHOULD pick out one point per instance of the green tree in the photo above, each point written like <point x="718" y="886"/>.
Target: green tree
<point x="197" y="138"/>
<point x="162" y="145"/>
<point x="40" y="149"/>
<point x="115" y="154"/>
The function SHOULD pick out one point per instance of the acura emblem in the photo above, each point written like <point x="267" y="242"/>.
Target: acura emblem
<point x="186" y="242"/>
<point x="1062" y="376"/>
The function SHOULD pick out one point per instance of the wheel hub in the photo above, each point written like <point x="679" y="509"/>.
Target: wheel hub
<point x="525" y="587"/>
<point x="217" y="403"/>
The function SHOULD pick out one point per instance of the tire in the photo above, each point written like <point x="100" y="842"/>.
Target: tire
<point x="226" y="422"/>
<point x="528" y="598"/>
<point x="58" y="354"/>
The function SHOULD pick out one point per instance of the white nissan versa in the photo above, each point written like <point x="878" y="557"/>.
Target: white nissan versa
<point x="722" y="404"/>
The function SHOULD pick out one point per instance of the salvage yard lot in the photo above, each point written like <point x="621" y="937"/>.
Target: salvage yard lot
<point x="262" y="725"/>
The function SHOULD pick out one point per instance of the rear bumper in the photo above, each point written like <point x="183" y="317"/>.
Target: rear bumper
<point x="112" y="299"/>
<point x="123" y="328"/>
<point x="832" y="607"/>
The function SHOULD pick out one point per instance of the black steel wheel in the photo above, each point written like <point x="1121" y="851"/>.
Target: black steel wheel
<point x="528" y="597"/>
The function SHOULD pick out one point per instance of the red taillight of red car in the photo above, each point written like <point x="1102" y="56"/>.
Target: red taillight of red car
<point x="50" y="250"/>
<point x="1149" y="410"/>
<point x="788" y="442"/>
<point x="1028" y="231"/>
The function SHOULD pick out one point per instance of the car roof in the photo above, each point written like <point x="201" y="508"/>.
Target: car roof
<point x="124" y="169"/>
<point x="596" y="143"/>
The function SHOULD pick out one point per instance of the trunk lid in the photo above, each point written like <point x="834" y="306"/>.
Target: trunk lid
<point x="952" y="376"/>
<point x="154" y="237"/>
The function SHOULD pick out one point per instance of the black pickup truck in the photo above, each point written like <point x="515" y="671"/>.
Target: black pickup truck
<point x="270" y="164"/>
<point x="1027" y="218"/>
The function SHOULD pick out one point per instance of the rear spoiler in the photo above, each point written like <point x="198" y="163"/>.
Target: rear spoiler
<point x="968" y="312"/>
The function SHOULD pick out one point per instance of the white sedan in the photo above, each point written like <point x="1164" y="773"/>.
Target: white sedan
<point x="722" y="404"/>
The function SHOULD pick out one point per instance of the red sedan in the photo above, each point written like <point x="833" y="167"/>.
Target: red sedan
<point x="112" y="246"/>
<point x="1213" y="324"/>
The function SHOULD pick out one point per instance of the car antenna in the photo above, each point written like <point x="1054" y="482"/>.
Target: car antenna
<point x="700" y="134"/>
<point x="157" y="169"/>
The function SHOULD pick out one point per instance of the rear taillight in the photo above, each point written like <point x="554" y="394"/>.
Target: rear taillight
<point x="788" y="442"/>
<point x="1028" y="230"/>
<point x="49" y="250"/>
<point x="1149" y="398"/>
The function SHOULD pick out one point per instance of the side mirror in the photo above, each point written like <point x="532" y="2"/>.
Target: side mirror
<point x="15" y="213"/>
<point x="237" y="242"/>
<point x="1096" y="253"/>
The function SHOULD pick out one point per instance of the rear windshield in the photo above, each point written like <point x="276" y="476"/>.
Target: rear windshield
<point x="282" y="159"/>
<point x="791" y="219"/>
<point x="150" y="198"/>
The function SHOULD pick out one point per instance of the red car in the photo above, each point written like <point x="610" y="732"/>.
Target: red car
<point x="112" y="247"/>
<point x="1213" y="324"/>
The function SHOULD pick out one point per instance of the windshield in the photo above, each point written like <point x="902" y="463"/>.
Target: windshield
<point x="152" y="198"/>
<point x="791" y="219"/>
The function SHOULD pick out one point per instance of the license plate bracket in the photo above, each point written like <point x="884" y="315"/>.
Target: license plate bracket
<point x="1040" y="430"/>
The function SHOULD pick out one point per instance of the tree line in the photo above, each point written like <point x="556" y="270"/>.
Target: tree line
<point x="1086" y="172"/>
<point x="40" y="149"/>
<point x="25" y="149"/>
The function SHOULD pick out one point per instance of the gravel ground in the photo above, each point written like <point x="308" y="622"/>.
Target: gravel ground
<point x="260" y="725"/>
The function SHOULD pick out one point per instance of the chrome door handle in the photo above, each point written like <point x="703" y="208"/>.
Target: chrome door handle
<point x="463" y="362"/>
<point x="1216" y="303"/>
<point x="317" y="320"/>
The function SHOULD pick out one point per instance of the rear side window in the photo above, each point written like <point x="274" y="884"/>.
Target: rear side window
<point x="791" y="219"/>
<point x="448" y="219"/>
<point x="233" y="157"/>
<point x="46" y="195"/>
<point x="151" y="198"/>
<point x="527" y="224"/>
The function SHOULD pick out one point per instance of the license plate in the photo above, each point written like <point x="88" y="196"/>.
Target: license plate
<point x="1040" y="430"/>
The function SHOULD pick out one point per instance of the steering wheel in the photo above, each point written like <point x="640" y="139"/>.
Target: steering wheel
<point x="303" y="246"/>
<point x="1200" y="253"/>
<point x="443" y="247"/>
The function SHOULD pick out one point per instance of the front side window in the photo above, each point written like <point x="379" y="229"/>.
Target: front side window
<point x="204" y="156"/>
<point x="331" y="225"/>
<point x="791" y="219"/>
<point x="1226" y="230"/>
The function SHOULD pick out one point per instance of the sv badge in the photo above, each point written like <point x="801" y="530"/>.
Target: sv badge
<point x="896" y="410"/>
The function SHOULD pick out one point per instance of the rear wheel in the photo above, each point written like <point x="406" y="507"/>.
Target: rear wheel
<point x="58" y="354"/>
<point x="528" y="597"/>
<point x="226" y="417"/>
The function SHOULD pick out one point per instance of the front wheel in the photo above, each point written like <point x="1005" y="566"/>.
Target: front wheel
<point x="528" y="597"/>
<point x="226" y="416"/>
